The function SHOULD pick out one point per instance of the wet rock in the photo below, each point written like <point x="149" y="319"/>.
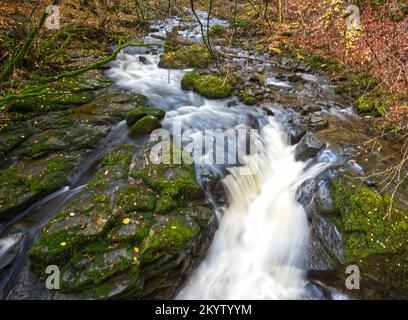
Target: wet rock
<point x="143" y="59"/>
<point x="295" y="133"/>
<point x="27" y="181"/>
<point x="107" y="108"/>
<point x="232" y="103"/>
<point x="61" y="94"/>
<point x="12" y="139"/>
<point x="308" y="147"/>
<point x="317" y="123"/>
<point x="138" y="113"/>
<point x="10" y="246"/>
<point x="268" y="112"/>
<point x="64" y="139"/>
<point x="365" y="230"/>
<point x="310" y="108"/>
<point x="144" y="126"/>
<point x="132" y="233"/>
<point x="294" y="77"/>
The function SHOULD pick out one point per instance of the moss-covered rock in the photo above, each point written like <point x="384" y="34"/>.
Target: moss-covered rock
<point x="27" y="181"/>
<point x="212" y="87"/>
<point x="138" y="113"/>
<point x="188" y="80"/>
<point x="374" y="233"/>
<point x="216" y="30"/>
<point x="62" y="94"/>
<point x="192" y="56"/>
<point x="12" y="139"/>
<point x="247" y="98"/>
<point x="65" y="139"/>
<point x="128" y="234"/>
<point x="144" y="126"/>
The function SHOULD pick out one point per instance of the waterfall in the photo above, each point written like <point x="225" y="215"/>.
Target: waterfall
<point x="258" y="249"/>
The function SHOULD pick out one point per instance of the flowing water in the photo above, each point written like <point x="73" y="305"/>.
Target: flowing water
<point x="258" y="250"/>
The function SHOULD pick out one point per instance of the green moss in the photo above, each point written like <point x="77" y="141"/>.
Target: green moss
<point x="216" y="30"/>
<point x="213" y="87"/>
<point x="188" y="80"/>
<point x="365" y="227"/>
<point x="168" y="237"/>
<point x="12" y="139"/>
<point x="137" y="227"/>
<point x="145" y="125"/>
<point x="193" y="56"/>
<point x="51" y="100"/>
<point x="138" y="113"/>
<point x="374" y="234"/>
<point x="247" y="98"/>
<point x="174" y="180"/>
<point x="136" y="198"/>
<point x="24" y="182"/>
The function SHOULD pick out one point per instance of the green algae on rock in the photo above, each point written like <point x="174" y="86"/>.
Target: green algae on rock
<point x="113" y="240"/>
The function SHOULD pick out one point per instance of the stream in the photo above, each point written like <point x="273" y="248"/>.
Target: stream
<point x="260" y="246"/>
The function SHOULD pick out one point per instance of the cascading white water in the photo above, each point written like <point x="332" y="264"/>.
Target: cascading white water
<point x="257" y="252"/>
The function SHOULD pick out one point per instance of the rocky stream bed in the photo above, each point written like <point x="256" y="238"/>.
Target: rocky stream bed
<point x="78" y="188"/>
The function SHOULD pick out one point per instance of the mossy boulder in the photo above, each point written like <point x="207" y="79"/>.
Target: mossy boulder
<point x="188" y="80"/>
<point x="190" y="56"/>
<point x="216" y="30"/>
<point x="144" y="126"/>
<point x="212" y="87"/>
<point x="138" y="113"/>
<point x="113" y="240"/>
<point x="27" y="181"/>
<point x="374" y="233"/>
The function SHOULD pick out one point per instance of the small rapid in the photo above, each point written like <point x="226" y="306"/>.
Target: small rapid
<point x="258" y="249"/>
